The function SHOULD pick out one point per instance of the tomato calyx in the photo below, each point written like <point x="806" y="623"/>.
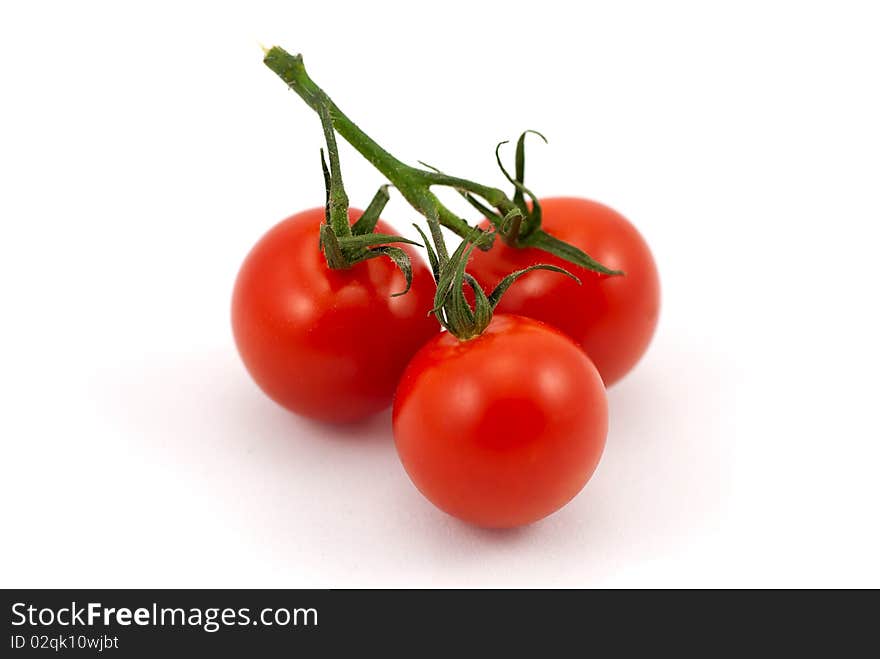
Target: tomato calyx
<point x="511" y="218"/>
<point x="526" y="230"/>
<point x="345" y="244"/>
<point x="451" y="307"/>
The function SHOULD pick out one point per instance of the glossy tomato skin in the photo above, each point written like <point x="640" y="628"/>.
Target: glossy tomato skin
<point x="612" y="318"/>
<point x="327" y="344"/>
<point x="503" y="429"/>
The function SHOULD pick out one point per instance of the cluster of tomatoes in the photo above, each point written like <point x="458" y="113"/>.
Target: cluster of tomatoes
<point x="499" y="429"/>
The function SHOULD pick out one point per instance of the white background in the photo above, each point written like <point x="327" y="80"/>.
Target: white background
<point x="144" y="149"/>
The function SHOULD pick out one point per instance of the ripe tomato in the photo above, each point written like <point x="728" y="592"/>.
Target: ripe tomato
<point x="502" y="429"/>
<point x="612" y="318"/>
<point x="327" y="344"/>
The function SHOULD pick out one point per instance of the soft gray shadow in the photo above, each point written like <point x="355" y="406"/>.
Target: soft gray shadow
<point x="213" y="397"/>
<point x="335" y="503"/>
<point x="206" y="425"/>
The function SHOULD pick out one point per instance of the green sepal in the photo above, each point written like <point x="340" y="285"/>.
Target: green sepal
<point x="533" y="216"/>
<point x="446" y="277"/>
<point x="511" y="224"/>
<point x="483" y="307"/>
<point x="548" y="243"/>
<point x="336" y="258"/>
<point x="460" y="314"/>
<point x="326" y="173"/>
<point x="432" y="255"/>
<point x="450" y="304"/>
<point x="370" y="239"/>
<point x="518" y="198"/>
<point x="367" y="222"/>
<point x="398" y="256"/>
<point x="504" y="284"/>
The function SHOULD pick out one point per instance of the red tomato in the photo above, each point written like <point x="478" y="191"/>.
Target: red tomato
<point x="502" y="429"/>
<point x="327" y="344"/>
<point x="612" y="318"/>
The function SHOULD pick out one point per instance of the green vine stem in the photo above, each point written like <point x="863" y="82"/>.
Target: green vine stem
<point x="415" y="183"/>
<point x="344" y="244"/>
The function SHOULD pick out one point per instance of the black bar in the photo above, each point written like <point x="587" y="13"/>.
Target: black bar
<point x="265" y="623"/>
